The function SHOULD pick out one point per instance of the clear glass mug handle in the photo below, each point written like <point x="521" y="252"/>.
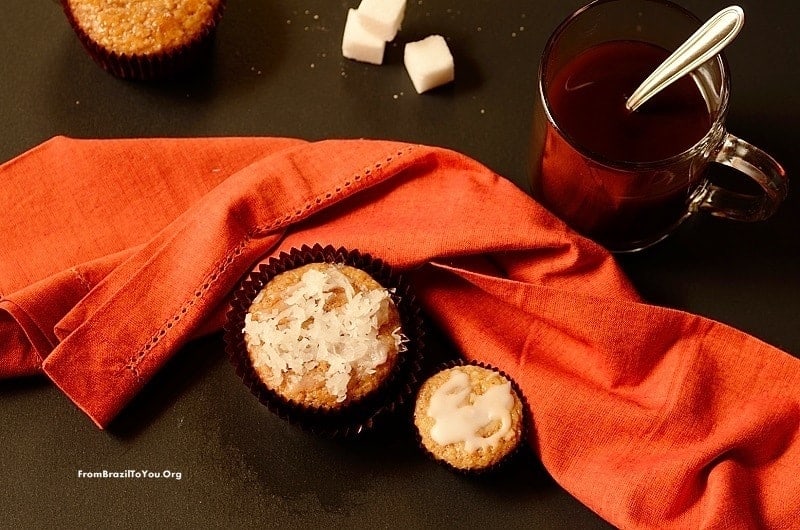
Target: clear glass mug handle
<point x="756" y="164"/>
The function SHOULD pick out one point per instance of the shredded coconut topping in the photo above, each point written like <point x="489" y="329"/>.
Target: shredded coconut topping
<point x="306" y="331"/>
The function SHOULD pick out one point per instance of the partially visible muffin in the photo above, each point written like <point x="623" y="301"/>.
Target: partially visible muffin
<point x="144" y="39"/>
<point x="469" y="417"/>
<point x="323" y="335"/>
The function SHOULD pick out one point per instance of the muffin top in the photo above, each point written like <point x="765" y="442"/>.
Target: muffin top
<point x="323" y="334"/>
<point x="141" y="27"/>
<point x="469" y="416"/>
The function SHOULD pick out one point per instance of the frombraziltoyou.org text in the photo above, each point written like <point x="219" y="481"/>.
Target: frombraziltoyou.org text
<point x="131" y="474"/>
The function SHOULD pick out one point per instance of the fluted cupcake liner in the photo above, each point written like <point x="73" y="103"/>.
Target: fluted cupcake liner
<point x="360" y="416"/>
<point x="165" y="64"/>
<point x="506" y="460"/>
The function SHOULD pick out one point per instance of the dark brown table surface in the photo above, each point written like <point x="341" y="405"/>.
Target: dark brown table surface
<point x="276" y="70"/>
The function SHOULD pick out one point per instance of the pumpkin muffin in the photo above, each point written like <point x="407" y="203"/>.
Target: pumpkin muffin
<point x="323" y="335"/>
<point x="144" y="39"/>
<point x="328" y="339"/>
<point x="469" y="417"/>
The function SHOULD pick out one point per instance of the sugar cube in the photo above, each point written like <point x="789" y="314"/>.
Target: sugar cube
<point x="429" y="63"/>
<point x="382" y="17"/>
<point x="360" y="44"/>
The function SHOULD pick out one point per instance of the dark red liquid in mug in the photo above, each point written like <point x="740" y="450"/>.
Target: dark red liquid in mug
<point x="587" y="101"/>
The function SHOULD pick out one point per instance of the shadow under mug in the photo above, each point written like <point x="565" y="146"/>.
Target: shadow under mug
<point x="628" y="206"/>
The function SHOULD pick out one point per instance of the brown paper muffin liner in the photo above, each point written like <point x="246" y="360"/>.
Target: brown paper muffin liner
<point x="166" y="64"/>
<point x="354" y="419"/>
<point x="510" y="457"/>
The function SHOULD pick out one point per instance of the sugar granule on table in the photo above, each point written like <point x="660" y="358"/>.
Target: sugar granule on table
<point x="429" y="63"/>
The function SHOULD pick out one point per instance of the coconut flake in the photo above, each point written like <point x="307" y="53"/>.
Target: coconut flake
<point x="297" y="338"/>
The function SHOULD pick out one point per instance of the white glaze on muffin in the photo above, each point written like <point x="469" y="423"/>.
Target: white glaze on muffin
<point x="469" y="417"/>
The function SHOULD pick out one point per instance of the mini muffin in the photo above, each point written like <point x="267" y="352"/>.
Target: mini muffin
<point x="469" y="417"/>
<point x="323" y="335"/>
<point x="144" y="39"/>
<point x="328" y="339"/>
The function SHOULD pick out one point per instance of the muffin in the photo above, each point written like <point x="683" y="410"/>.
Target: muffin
<point x="469" y="417"/>
<point x="323" y="335"/>
<point x="144" y="39"/>
<point x="326" y="338"/>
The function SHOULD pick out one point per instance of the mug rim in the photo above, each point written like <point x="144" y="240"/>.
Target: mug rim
<point x="687" y="153"/>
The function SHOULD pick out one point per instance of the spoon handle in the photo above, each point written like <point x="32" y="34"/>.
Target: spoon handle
<point x="704" y="43"/>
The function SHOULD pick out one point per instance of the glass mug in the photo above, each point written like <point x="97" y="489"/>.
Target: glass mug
<point x="628" y="180"/>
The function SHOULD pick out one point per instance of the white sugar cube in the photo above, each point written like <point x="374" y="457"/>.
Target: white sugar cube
<point x="382" y="18"/>
<point x="429" y="63"/>
<point x="360" y="44"/>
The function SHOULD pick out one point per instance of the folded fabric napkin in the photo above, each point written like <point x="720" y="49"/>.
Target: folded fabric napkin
<point x="117" y="252"/>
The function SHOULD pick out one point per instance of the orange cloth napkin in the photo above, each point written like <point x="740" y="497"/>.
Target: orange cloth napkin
<point x="117" y="252"/>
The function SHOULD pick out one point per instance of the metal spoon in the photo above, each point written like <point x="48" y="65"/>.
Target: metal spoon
<point x="704" y="43"/>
